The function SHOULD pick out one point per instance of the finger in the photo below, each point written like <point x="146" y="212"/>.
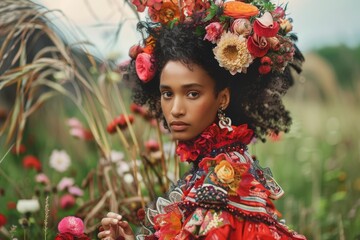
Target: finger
<point x="126" y="227"/>
<point x="108" y="222"/>
<point x="114" y="215"/>
<point x="104" y="234"/>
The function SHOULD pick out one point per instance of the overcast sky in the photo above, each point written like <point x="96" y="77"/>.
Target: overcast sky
<point x="317" y="22"/>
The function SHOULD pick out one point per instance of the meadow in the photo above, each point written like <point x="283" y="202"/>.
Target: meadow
<point x="73" y="144"/>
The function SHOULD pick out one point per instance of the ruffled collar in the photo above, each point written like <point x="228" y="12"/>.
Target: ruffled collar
<point x="213" y="137"/>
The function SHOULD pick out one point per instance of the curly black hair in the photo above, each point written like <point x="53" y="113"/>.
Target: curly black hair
<point x="255" y="99"/>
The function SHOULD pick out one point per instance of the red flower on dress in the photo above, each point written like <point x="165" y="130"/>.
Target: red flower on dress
<point x="30" y="161"/>
<point x="213" y="138"/>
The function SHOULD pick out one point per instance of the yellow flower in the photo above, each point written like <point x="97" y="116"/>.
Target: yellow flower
<point x="286" y="25"/>
<point x="225" y="172"/>
<point x="232" y="53"/>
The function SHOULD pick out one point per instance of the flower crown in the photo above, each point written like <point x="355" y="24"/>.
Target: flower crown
<point x="242" y="32"/>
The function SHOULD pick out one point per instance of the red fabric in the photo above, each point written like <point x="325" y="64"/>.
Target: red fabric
<point x="213" y="137"/>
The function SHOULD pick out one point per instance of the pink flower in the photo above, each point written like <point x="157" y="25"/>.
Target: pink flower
<point x="139" y="4"/>
<point x="213" y="32"/>
<point x="156" y="4"/>
<point x="279" y="12"/>
<point x="241" y="26"/>
<point x="42" y="178"/>
<point x="64" y="183"/>
<point x="78" y="130"/>
<point x="144" y="67"/>
<point x="67" y="201"/>
<point x="74" y="123"/>
<point x="76" y="191"/>
<point x="71" y="225"/>
<point x="152" y="145"/>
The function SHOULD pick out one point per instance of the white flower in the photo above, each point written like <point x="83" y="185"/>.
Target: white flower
<point x="28" y="205"/>
<point x="116" y="156"/>
<point x="122" y="167"/>
<point x="60" y="160"/>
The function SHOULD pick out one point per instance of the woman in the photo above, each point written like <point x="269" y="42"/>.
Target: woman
<point x="217" y="86"/>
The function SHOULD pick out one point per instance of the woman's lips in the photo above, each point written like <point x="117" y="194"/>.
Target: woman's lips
<point x="178" y="126"/>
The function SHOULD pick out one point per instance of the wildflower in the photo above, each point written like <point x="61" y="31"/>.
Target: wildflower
<point x="18" y="150"/>
<point x="60" y="160"/>
<point x="120" y="122"/>
<point x="232" y="53"/>
<point x="64" y="183"/>
<point x="152" y="145"/>
<point x="31" y="161"/>
<point x="42" y="178"/>
<point x="116" y="156"/>
<point x="11" y="205"/>
<point x="3" y="220"/>
<point x="122" y="167"/>
<point x="28" y="205"/>
<point x="72" y="225"/>
<point x="67" y="201"/>
<point x="76" y="191"/>
<point x="78" y="130"/>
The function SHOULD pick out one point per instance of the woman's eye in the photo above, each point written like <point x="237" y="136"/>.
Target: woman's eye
<point x="166" y="94"/>
<point x="193" y="94"/>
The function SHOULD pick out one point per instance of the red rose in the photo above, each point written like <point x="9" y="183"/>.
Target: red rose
<point x="257" y="46"/>
<point x="265" y="26"/>
<point x="30" y="161"/>
<point x="144" y="67"/>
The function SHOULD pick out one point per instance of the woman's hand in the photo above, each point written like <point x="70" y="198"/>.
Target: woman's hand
<point x="113" y="227"/>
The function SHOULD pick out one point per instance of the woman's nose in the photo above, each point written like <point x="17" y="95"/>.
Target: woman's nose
<point x="177" y="108"/>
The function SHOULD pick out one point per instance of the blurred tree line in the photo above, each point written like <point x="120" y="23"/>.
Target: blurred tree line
<point x="345" y="62"/>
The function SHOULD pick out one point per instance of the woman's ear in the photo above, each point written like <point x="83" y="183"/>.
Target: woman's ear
<point x="224" y="97"/>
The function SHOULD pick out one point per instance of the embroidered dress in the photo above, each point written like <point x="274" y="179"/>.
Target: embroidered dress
<point x="226" y="195"/>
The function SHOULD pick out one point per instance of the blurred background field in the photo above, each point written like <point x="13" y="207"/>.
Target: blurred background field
<point x="317" y="162"/>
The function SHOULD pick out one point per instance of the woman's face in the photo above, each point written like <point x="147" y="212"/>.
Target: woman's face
<point x="188" y="99"/>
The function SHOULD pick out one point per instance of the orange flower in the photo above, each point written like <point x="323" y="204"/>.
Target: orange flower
<point x="238" y="9"/>
<point x="225" y="172"/>
<point x="149" y="45"/>
<point x="168" y="12"/>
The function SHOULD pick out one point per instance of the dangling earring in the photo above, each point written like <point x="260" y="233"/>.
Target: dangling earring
<point x="224" y="122"/>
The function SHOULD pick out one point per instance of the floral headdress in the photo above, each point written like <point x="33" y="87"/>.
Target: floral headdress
<point x="242" y="31"/>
